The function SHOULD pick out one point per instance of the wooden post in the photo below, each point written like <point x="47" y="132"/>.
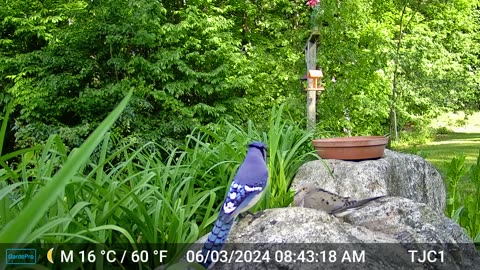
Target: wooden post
<point x="311" y="59"/>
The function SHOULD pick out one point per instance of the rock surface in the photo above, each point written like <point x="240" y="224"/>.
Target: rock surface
<point x="384" y="231"/>
<point x="396" y="174"/>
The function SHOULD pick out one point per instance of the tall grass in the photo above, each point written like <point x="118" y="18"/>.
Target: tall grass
<point x="18" y="229"/>
<point x="288" y="148"/>
<point x="463" y="204"/>
<point x="473" y="202"/>
<point x="455" y="170"/>
<point x="139" y="194"/>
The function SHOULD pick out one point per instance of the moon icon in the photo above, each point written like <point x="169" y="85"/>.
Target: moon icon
<point x="49" y="255"/>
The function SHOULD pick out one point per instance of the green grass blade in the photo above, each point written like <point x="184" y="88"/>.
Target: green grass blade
<point x="101" y="160"/>
<point x="18" y="229"/>
<point x="3" y="129"/>
<point x="19" y="152"/>
<point x="123" y="231"/>
<point x="45" y="228"/>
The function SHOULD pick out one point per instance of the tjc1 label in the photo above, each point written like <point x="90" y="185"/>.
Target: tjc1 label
<point x="430" y="256"/>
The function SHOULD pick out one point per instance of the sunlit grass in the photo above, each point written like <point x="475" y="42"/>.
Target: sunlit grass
<point x="460" y="134"/>
<point x="445" y="147"/>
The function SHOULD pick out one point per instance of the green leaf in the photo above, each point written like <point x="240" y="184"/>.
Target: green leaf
<point x="3" y="129"/>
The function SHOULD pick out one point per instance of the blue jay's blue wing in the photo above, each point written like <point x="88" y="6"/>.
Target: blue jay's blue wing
<point x="240" y="197"/>
<point x="244" y="192"/>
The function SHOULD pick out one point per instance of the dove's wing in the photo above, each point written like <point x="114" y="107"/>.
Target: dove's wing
<point x="350" y="205"/>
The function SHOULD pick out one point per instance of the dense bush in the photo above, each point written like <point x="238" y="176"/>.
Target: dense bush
<point x="408" y="57"/>
<point x="187" y="64"/>
<point x="64" y="64"/>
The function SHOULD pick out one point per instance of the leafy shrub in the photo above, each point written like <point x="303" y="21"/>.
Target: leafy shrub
<point x="442" y="130"/>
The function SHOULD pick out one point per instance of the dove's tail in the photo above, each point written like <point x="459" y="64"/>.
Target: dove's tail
<point x="352" y="206"/>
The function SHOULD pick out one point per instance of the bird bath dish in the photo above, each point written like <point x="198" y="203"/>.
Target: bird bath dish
<point x="351" y="148"/>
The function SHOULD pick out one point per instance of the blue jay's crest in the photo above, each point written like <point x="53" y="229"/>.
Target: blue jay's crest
<point x="257" y="144"/>
<point x="244" y="192"/>
<point x="261" y="146"/>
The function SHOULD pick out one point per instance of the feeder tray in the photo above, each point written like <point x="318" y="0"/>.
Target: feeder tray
<point x="351" y="148"/>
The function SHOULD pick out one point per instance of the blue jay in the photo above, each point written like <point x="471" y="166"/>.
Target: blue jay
<point x="245" y="191"/>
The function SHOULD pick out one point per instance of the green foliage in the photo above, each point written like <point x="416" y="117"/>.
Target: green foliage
<point x="272" y="35"/>
<point x="3" y="128"/>
<point x="442" y="131"/>
<point x="18" y="229"/>
<point x="289" y="148"/>
<point x="288" y="145"/>
<point x="189" y="65"/>
<point x="65" y="63"/>
<point x="353" y="54"/>
<point x="463" y="204"/>
<point x="415" y="57"/>
<point x="472" y="203"/>
<point x="455" y="171"/>
<point x="140" y="193"/>
<point x="415" y="135"/>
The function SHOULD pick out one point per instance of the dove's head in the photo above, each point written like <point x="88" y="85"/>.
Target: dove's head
<point x="305" y="188"/>
<point x="302" y="191"/>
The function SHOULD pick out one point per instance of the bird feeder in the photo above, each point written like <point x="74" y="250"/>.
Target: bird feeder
<point x="316" y="77"/>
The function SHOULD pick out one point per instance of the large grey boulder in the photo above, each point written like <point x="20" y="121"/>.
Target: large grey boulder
<point x="385" y="231"/>
<point x="396" y="174"/>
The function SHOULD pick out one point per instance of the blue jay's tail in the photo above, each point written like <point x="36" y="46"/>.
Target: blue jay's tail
<point x="215" y="241"/>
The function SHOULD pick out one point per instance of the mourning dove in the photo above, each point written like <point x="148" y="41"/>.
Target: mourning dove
<point x="310" y="196"/>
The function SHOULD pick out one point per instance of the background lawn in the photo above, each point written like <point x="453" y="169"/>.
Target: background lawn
<point x="447" y="146"/>
<point x="455" y="136"/>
